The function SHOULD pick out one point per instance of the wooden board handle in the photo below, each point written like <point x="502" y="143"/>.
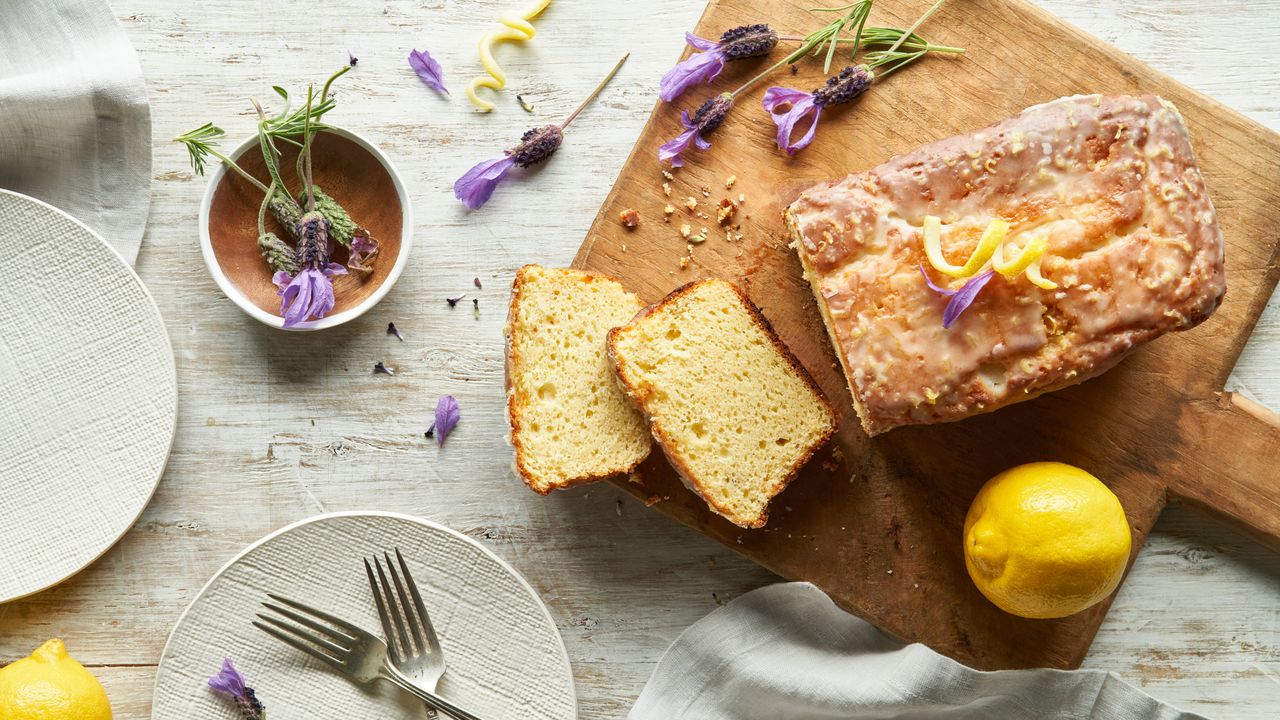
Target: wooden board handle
<point x="1228" y="464"/>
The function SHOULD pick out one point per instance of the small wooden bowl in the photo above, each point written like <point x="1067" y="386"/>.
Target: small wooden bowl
<point x="352" y="171"/>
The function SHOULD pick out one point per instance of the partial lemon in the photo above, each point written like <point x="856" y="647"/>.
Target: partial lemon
<point x="1046" y="540"/>
<point x="50" y="685"/>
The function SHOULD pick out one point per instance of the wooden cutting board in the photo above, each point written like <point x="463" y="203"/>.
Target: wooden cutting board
<point x="877" y="523"/>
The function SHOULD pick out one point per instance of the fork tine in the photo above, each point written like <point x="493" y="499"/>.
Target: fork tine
<point x="298" y="645"/>
<point x="341" y="624"/>
<point x="308" y="622"/>
<point x="336" y="651"/>
<point x="432" y="641"/>
<point x="414" y="625"/>
<point x="384" y="615"/>
<point x="398" y="614"/>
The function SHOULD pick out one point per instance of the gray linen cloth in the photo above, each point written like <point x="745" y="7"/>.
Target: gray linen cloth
<point x="786" y="652"/>
<point x="75" y="127"/>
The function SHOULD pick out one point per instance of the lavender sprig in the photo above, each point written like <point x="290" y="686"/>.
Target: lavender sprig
<point x="476" y="186"/>
<point x="230" y="682"/>
<point x="740" y="43"/>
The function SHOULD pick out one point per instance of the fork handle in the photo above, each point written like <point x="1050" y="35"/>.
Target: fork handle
<point x="394" y="676"/>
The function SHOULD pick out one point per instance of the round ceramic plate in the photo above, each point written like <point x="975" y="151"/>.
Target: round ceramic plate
<point x="505" y="657"/>
<point x="88" y="396"/>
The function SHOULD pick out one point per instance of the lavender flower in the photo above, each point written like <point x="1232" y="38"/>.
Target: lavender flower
<point x="428" y="69"/>
<point x="447" y="417"/>
<point x="703" y="67"/>
<point x="960" y="299"/>
<point x="476" y="185"/>
<point x="230" y="682"/>
<point x="708" y="117"/>
<point x="308" y="295"/>
<point x="790" y="108"/>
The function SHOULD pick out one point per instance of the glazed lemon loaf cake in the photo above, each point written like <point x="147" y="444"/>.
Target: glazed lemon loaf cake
<point x="570" y="421"/>
<point x="1106" y="185"/>
<point x="734" y="411"/>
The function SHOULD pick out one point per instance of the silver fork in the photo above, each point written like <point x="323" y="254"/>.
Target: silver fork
<point x="411" y="640"/>
<point x="357" y="654"/>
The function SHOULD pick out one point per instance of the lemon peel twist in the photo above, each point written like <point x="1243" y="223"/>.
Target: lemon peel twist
<point x="990" y="249"/>
<point x="518" y="28"/>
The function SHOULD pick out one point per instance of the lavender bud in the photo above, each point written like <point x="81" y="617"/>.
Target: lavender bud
<point x="712" y="113"/>
<point x="278" y="254"/>
<point x="249" y="706"/>
<point x="285" y="211"/>
<point x="536" y="145"/>
<point x="847" y="85"/>
<point x="313" y="240"/>
<point x="341" y="226"/>
<point x="747" y="41"/>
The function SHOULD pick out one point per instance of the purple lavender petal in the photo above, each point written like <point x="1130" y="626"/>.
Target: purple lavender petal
<point x="309" y="295"/>
<point x="802" y="107"/>
<point x="699" y="43"/>
<point x="935" y="288"/>
<point x="775" y="96"/>
<point x="228" y="680"/>
<point x="964" y="297"/>
<point x="700" y="67"/>
<point x="428" y="69"/>
<point x="477" y="184"/>
<point x="281" y="279"/>
<point x="671" y="149"/>
<point x="447" y="416"/>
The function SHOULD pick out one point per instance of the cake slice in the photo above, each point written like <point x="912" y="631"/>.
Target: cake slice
<point x="734" y="411"/>
<point x="570" y="421"/>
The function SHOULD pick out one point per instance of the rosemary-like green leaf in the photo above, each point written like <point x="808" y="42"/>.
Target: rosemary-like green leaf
<point x="199" y="144"/>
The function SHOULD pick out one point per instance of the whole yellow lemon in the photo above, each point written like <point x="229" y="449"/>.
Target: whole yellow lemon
<point x="1045" y="540"/>
<point x="50" y="685"/>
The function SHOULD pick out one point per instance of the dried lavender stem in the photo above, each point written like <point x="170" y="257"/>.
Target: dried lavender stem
<point x="582" y="106"/>
<point x="240" y="171"/>
<point x="306" y="152"/>
<point x="912" y="30"/>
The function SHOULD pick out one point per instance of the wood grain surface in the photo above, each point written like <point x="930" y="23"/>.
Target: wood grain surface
<point x="273" y="429"/>
<point x="877" y="524"/>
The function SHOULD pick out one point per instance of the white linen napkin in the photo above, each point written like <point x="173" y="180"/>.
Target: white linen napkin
<point x="786" y="652"/>
<point x="75" y="127"/>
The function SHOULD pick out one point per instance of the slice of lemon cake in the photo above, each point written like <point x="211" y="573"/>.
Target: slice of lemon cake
<point x="734" y="411"/>
<point x="570" y="422"/>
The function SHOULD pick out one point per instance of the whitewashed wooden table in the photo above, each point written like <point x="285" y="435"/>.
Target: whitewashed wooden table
<point x="273" y="428"/>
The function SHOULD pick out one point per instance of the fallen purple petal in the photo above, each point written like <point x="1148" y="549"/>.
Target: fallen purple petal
<point x="964" y="297"/>
<point x="453" y="301"/>
<point x="477" y="184"/>
<point x="928" y="281"/>
<point x="381" y="368"/>
<point x="428" y="69"/>
<point x="447" y="417"/>
<point x="393" y="330"/>
<point x="476" y="282"/>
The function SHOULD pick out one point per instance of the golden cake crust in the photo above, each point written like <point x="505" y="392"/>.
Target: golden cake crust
<point x="1133" y="244"/>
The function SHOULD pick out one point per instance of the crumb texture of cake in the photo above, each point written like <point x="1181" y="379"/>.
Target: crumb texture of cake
<point x="734" y="411"/>
<point x="570" y="421"/>
<point x="1133" y="244"/>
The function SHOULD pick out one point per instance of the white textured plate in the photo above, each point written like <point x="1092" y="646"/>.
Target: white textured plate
<point x="506" y="660"/>
<point x="88" y="396"/>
